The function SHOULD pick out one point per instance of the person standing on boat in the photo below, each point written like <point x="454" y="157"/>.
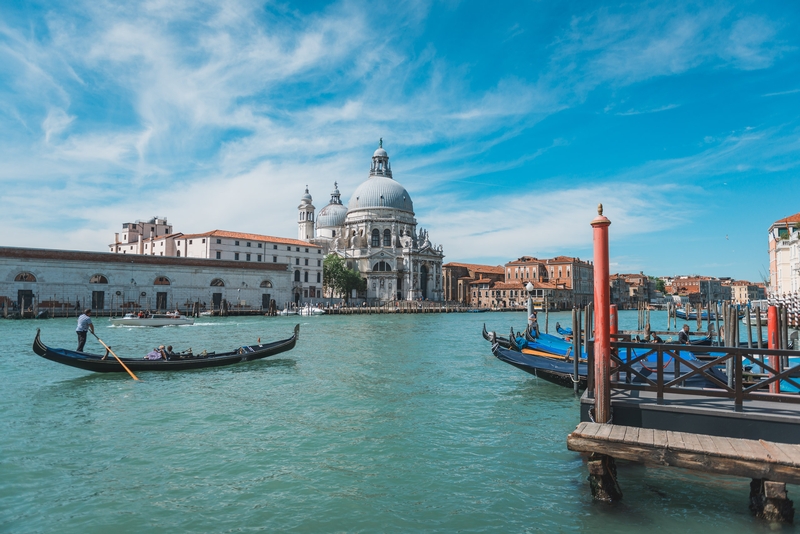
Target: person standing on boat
<point x="84" y="327"/>
<point x="533" y="324"/>
<point x="683" y="335"/>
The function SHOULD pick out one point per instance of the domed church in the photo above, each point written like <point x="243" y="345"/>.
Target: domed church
<point x="377" y="234"/>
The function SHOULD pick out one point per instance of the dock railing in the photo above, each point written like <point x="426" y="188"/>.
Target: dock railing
<point x="769" y="367"/>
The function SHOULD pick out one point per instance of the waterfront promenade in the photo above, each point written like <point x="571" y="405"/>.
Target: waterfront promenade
<point x="374" y="423"/>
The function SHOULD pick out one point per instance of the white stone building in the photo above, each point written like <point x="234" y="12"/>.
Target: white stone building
<point x="377" y="235"/>
<point x="65" y="280"/>
<point x="784" y="256"/>
<point x="155" y="238"/>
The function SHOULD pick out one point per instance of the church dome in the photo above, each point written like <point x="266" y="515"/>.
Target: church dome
<point x="331" y="216"/>
<point x="380" y="192"/>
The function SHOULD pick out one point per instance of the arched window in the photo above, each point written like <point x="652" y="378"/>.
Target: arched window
<point x="381" y="266"/>
<point x="387" y="238"/>
<point x="217" y="282"/>
<point x="297" y="276"/>
<point x="305" y="276"/>
<point x="98" y="279"/>
<point x="376" y="238"/>
<point x="266" y="283"/>
<point x="25" y="277"/>
<point x="161" y="281"/>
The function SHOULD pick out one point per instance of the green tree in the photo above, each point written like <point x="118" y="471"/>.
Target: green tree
<point x="338" y="278"/>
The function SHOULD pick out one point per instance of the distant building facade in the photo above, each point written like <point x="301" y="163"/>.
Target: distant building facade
<point x="784" y="256"/>
<point x="457" y="278"/>
<point x="72" y="280"/>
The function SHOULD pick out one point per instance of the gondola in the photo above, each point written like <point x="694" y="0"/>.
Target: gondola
<point x="96" y="363"/>
<point x="553" y="370"/>
<point x="561" y="371"/>
<point x="492" y="338"/>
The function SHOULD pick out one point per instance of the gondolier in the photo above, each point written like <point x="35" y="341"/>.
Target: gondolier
<point x="84" y="325"/>
<point x="683" y="335"/>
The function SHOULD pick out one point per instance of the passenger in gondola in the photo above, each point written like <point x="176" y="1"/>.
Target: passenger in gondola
<point x="156" y="354"/>
<point x="655" y="339"/>
<point x="169" y="355"/>
<point x="683" y="335"/>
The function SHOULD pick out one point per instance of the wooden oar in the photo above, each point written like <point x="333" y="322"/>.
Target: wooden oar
<point x="117" y="357"/>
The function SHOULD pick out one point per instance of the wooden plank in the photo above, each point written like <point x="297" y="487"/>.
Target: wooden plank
<point x="631" y="435"/>
<point x="581" y="429"/>
<point x="646" y="437"/>
<point x="775" y="454"/>
<point x="792" y="451"/>
<point x="659" y="438"/>
<point x="589" y="429"/>
<point x="691" y="442"/>
<point x="617" y="433"/>
<point x="743" y="450"/>
<point x="675" y="441"/>
<point x="707" y="444"/>
<point x="604" y="431"/>
<point x="724" y="446"/>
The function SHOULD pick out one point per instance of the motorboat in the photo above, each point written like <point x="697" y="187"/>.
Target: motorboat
<point x="286" y="311"/>
<point x="311" y="310"/>
<point x="153" y="319"/>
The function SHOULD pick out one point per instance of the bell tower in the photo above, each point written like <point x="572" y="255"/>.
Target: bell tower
<point x="305" y="220"/>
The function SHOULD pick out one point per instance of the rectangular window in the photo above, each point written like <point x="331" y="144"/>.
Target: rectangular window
<point x="306" y="250"/>
<point x="306" y="261"/>
<point x="219" y="241"/>
<point x="298" y="249"/>
<point x="236" y="243"/>
<point x="248" y="257"/>
<point x="261" y="245"/>
<point x="297" y="261"/>
<point x="248" y="243"/>
<point x="319" y="277"/>
<point x="219" y="255"/>
<point x="274" y="259"/>
<point x="204" y="240"/>
<point x="319" y="263"/>
<point x="305" y="276"/>
<point x="275" y="247"/>
<point x="236" y="256"/>
<point x="190" y="241"/>
<point x="288" y="248"/>
<point x="259" y="257"/>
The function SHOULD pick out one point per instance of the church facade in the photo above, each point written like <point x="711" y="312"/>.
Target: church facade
<point x="377" y="234"/>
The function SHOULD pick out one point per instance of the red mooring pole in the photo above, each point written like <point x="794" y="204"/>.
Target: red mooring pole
<point x="602" y="328"/>
<point x="613" y="322"/>
<point x="772" y="343"/>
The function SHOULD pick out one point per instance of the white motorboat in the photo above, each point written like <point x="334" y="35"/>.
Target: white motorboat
<point x="155" y="319"/>
<point x="284" y="312"/>
<point x="309" y="310"/>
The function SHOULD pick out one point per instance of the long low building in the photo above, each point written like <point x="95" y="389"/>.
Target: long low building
<point x="63" y="279"/>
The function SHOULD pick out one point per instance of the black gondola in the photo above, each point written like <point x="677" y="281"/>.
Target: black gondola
<point x="553" y="370"/>
<point x="493" y="337"/>
<point x="96" y="363"/>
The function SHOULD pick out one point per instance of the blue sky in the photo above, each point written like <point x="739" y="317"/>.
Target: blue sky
<point x="507" y="122"/>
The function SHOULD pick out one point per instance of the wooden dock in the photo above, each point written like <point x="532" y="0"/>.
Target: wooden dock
<point x="770" y="465"/>
<point x="757" y="459"/>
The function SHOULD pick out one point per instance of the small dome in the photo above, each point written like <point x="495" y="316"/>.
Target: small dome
<point x="380" y="153"/>
<point x="306" y="199"/>
<point x="380" y="192"/>
<point x="331" y="216"/>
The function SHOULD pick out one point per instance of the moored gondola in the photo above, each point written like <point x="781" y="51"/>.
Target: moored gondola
<point x="96" y="363"/>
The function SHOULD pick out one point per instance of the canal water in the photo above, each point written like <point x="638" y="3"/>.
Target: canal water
<point x="373" y="423"/>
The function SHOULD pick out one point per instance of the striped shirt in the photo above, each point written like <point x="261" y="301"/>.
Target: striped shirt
<point x="83" y="323"/>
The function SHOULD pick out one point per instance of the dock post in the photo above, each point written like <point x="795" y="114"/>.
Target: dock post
<point x="769" y="500"/>
<point x="602" y="340"/>
<point x="603" y="478"/>
<point x="772" y="343"/>
<point x="576" y="348"/>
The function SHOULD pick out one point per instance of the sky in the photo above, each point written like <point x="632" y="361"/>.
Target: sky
<point x="507" y="122"/>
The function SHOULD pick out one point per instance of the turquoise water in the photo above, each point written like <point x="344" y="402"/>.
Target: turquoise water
<point x="374" y="423"/>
